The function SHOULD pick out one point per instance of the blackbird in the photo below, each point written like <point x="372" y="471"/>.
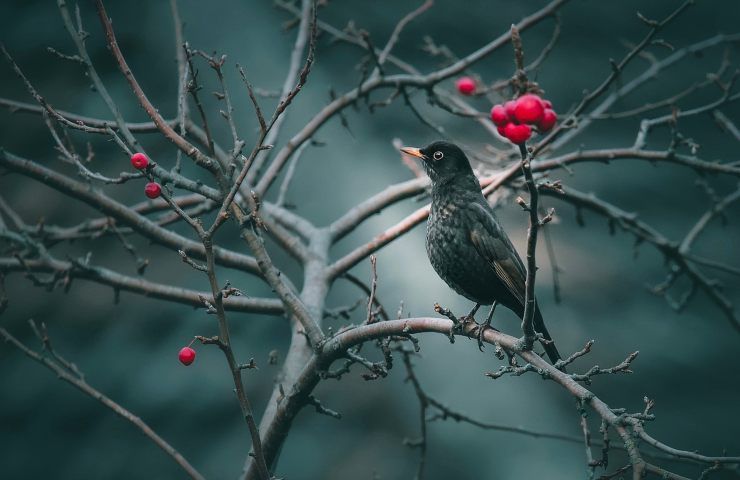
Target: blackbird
<point x="465" y="242"/>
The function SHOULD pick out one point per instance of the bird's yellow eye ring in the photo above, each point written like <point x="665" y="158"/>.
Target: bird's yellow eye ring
<point x="438" y="155"/>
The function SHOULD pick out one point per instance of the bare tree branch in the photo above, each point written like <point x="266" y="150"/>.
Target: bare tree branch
<point x="79" y="382"/>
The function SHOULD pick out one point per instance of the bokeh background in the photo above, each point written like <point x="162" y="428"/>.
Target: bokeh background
<point x="687" y="363"/>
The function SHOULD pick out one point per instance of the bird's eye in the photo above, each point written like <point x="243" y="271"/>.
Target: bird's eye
<point x="438" y="155"/>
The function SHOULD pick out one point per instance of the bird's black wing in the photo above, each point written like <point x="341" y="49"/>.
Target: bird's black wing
<point x="494" y="246"/>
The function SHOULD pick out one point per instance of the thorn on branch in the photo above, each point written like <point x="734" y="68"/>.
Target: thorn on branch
<point x="650" y="23"/>
<point x="210" y="309"/>
<point x="215" y="340"/>
<point x="229" y="291"/>
<point x="251" y="365"/>
<point x="371" y="317"/>
<point x="191" y="262"/>
<point x="456" y="323"/>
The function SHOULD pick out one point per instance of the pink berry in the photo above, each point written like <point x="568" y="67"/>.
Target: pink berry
<point x="509" y="107"/>
<point x="529" y="109"/>
<point x="152" y="190"/>
<point x="548" y="120"/>
<point x="465" y="85"/>
<point x="186" y="355"/>
<point x="517" y="133"/>
<point x="139" y="161"/>
<point x="499" y="116"/>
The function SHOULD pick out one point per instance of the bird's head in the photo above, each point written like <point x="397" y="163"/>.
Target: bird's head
<point x="442" y="160"/>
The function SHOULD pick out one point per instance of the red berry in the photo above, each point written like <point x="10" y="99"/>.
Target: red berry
<point x="502" y="130"/>
<point x="186" y="355"/>
<point x="499" y="116"/>
<point x="152" y="190"/>
<point x="517" y="133"/>
<point x="139" y="161"/>
<point x="465" y="85"/>
<point x="509" y="107"/>
<point x="529" y="109"/>
<point x="548" y="120"/>
<point x="547" y="104"/>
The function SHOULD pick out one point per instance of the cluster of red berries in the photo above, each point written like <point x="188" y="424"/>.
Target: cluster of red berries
<point x="152" y="189"/>
<point x="516" y="118"/>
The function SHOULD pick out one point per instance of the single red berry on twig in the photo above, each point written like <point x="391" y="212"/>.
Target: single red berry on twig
<point x="529" y="109"/>
<point x="548" y="120"/>
<point x="186" y="355"/>
<point x="139" y="161"/>
<point x="465" y="85"/>
<point x="499" y="116"/>
<point x="152" y="190"/>
<point x="517" y="133"/>
<point x="509" y="108"/>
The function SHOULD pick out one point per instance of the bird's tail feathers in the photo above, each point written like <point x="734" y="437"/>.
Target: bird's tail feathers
<point x="539" y="326"/>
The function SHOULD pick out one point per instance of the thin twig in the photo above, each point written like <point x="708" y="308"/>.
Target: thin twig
<point x="80" y="383"/>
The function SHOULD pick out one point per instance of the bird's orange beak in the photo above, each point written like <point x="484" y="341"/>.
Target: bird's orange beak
<point x="414" y="152"/>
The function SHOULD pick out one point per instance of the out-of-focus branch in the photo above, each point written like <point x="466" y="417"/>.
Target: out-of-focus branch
<point x="248" y="224"/>
<point x="302" y="38"/>
<point x="726" y="124"/>
<point x="68" y="271"/>
<point x="358" y="254"/>
<point x="122" y="213"/>
<point x="375" y="204"/>
<point x="584" y="121"/>
<point x="98" y="125"/>
<point x="648" y="124"/>
<point x="617" y="69"/>
<point x="78" y="36"/>
<point x="186" y="147"/>
<point x="393" y="39"/>
<point x="701" y="224"/>
<point x="645" y="233"/>
<point x="41" y="100"/>
<point x="397" y="81"/>
<point x="74" y="378"/>
<point x="610" y="154"/>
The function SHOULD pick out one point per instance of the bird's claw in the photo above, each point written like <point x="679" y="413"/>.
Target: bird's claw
<point x="481" y="329"/>
<point x="483" y="326"/>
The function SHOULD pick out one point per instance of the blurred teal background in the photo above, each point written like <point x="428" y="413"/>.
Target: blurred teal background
<point x="687" y="363"/>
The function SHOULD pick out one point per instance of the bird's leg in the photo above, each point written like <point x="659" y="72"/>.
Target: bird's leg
<point x="470" y="317"/>
<point x="485" y="325"/>
<point x="459" y="323"/>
